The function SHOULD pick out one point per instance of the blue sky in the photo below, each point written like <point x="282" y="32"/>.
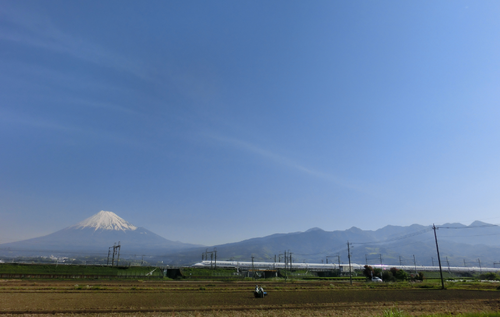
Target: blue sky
<point x="217" y="121"/>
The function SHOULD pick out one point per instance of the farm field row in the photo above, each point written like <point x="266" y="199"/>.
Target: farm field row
<point x="231" y="299"/>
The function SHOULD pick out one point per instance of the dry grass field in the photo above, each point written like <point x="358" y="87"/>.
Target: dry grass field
<point x="172" y="298"/>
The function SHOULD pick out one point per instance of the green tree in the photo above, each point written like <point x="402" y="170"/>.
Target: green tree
<point x="387" y="276"/>
<point x="402" y="275"/>
<point x="368" y="272"/>
<point x="394" y="270"/>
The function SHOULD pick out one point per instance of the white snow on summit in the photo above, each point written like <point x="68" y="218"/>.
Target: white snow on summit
<point x="106" y="220"/>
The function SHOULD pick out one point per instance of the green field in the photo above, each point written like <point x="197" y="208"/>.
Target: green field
<point x="200" y="272"/>
<point x="43" y="269"/>
<point x="432" y="279"/>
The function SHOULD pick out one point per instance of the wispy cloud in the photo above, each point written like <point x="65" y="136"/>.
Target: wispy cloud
<point x="17" y="119"/>
<point x="33" y="29"/>
<point x="11" y="118"/>
<point x="107" y="106"/>
<point x="285" y="161"/>
<point x="194" y="80"/>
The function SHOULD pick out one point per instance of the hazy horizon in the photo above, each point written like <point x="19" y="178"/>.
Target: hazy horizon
<point x="83" y="223"/>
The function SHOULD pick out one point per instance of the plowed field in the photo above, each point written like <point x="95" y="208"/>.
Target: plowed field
<point x="231" y="299"/>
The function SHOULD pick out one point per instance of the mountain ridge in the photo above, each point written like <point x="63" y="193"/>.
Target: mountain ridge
<point x="96" y="234"/>
<point x="392" y="243"/>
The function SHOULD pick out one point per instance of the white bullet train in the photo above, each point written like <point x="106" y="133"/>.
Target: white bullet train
<point x="262" y="266"/>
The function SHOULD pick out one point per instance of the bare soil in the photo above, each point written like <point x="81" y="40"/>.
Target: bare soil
<point x="138" y="298"/>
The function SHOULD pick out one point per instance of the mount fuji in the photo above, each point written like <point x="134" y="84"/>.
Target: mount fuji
<point x="97" y="234"/>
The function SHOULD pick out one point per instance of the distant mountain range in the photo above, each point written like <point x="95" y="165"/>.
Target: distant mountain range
<point x="460" y="245"/>
<point x="388" y="245"/>
<point x="96" y="234"/>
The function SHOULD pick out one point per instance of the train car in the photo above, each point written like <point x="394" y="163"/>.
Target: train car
<point x="332" y="266"/>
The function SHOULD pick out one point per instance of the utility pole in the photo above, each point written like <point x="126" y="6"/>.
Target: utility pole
<point x="400" y="261"/>
<point x="116" y="252"/>
<point x="286" y="260"/>
<point x="349" y="256"/>
<point x="338" y="257"/>
<point x="113" y="259"/>
<point x="329" y="256"/>
<point x="415" y="264"/>
<point x="253" y="269"/>
<point x="212" y="253"/>
<point x="439" y="258"/>
<point x="215" y="250"/>
<point x="109" y="252"/>
<point x="119" y="248"/>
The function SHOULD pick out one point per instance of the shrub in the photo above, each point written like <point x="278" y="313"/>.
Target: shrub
<point x="402" y="275"/>
<point x="489" y="276"/>
<point x="420" y="276"/>
<point x="388" y="277"/>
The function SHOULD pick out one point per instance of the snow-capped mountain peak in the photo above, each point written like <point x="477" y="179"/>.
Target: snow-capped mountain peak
<point x="105" y="220"/>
